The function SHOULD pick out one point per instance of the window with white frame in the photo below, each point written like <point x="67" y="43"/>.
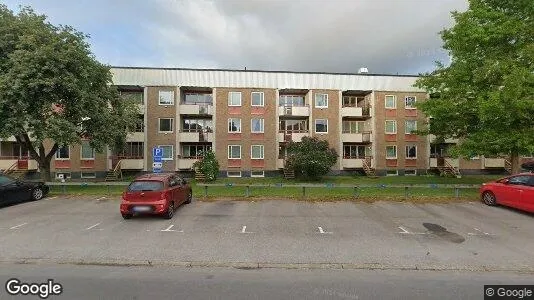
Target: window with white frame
<point x="195" y="150"/>
<point x="391" y="101"/>
<point x="411" y="151"/>
<point x="166" y="125"/>
<point x="409" y="102"/>
<point x="257" y="99"/>
<point x="86" y="151"/>
<point x="291" y="100"/>
<point x="88" y="175"/>
<point x="256" y="125"/>
<point x="410" y="126"/>
<point x="256" y="152"/>
<point x="66" y="175"/>
<point x="63" y="152"/>
<point x="168" y="151"/>
<point x="234" y="151"/>
<point x="233" y="173"/>
<point x="321" y="100"/>
<point x="410" y="172"/>
<point x="353" y="126"/>
<point x="257" y="173"/>
<point x="391" y="152"/>
<point x="392" y="172"/>
<point x="166" y="98"/>
<point x="391" y="126"/>
<point x="234" y="98"/>
<point x="321" y="126"/>
<point x="234" y="125"/>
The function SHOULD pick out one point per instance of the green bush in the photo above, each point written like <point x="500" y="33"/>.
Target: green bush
<point x="208" y="165"/>
<point x="311" y="158"/>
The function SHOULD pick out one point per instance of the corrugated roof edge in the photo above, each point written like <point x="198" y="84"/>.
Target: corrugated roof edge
<point x="264" y="71"/>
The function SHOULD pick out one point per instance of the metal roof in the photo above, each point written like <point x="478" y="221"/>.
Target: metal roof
<point x="261" y="79"/>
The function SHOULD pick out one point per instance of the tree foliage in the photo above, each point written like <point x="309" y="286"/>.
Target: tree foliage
<point x="53" y="89"/>
<point x="311" y="158"/>
<point x="208" y="166"/>
<point x="485" y="97"/>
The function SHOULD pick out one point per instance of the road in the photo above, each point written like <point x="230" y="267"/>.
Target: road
<point x="99" y="282"/>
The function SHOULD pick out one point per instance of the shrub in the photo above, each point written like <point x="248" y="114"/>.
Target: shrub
<point x="311" y="158"/>
<point x="208" y="165"/>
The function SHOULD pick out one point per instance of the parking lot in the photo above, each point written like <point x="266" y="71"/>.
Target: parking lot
<point x="382" y="234"/>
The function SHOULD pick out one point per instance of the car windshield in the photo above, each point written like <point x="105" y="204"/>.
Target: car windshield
<point x="5" y="180"/>
<point x="145" y="186"/>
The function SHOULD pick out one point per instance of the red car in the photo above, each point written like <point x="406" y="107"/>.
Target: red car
<point x="157" y="194"/>
<point x="515" y="191"/>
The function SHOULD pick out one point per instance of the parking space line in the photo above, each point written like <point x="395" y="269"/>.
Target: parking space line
<point x="101" y="198"/>
<point x="169" y="229"/>
<point x="404" y="231"/>
<point x="480" y="232"/>
<point x="50" y="198"/>
<point x="91" y="227"/>
<point x="322" y="231"/>
<point x="244" y="230"/>
<point x="18" y="226"/>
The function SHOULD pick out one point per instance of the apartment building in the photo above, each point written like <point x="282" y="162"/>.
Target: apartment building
<point x="249" y="117"/>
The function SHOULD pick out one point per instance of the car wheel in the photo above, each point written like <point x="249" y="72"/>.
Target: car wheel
<point x="170" y="211"/>
<point x="189" y="198"/>
<point x="126" y="216"/>
<point x="37" y="194"/>
<point x="489" y="198"/>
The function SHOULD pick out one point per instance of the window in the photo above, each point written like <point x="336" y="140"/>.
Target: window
<point x="291" y="100"/>
<point x="321" y="100"/>
<point x="519" y="180"/>
<point x="392" y="173"/>
<point x="197" y="125"/>
<point x="410" y="172"/>
<point x="234" y="152"/>
<point x="5" y="180"/>
<point x="391" y="152"/>
<point x="293" y="125"/>
<point x="149" y="186"/>
<point x="194" y="98"/>
<point x="411" y="151"/>
<point x="66" y="175"/>
<point x="131" y="150"/>
<point x="86" y="151"/>
<point x="166" y="98"/>
<point x="353" y="126"/>
<point x="194" y="151"/>
<point x="257" y="99"/>
<point x="257" y="173"/>
<point x="166" y="125"/>
<point x="321" y="126"/>
<point x="391" y="126"/>
<point x="256" y="151"/>
<point x="88" y="175"/>
<point x="256" y="125"/>
<point x="234" y="125"/>
<point x="233" y="173"/>
<point x="354" y="151"/>
<point x="63" y="152"/>
<point x="234" y="99"/>
<point x="167" y="152"/>
<point x="140" y="124"/>
<point x="136" y="97"/>
<point x="410" y="126"/>
<point x="391" y="101"/>
<point x="409" y="102"/>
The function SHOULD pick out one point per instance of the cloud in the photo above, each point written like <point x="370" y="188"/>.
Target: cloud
<point x="385" y="36"/>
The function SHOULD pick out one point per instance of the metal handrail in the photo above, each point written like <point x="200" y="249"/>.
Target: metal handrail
<point x="117" y="171"/>
<point x="12" y="168"/>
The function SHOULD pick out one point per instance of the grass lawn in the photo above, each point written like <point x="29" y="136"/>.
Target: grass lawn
<point x="324" y="193"/>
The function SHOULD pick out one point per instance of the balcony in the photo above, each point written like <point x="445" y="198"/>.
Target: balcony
<point x="453" y="162"/>
<point x="494" y="162"/>
<point x="7" y="162"/>
<point x="196" y="137"/>
<point x="292" y="136"/>
<point x="186" y="163"/>
<point x="295" y="111"/>
<point x="135" y="137"/>
<point x="363" y="137"/>
<point x="432" y="139"/>
<point x="280" y="163"/>
<point x="352" y="163"/>
<point x="128" y="162"/>
<point x="354" y="111"/>
<point x="196" y="109"/>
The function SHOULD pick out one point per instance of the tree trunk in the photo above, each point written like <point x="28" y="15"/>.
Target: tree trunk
<point x="44" y="169"/>
<point x="514" y="159"/>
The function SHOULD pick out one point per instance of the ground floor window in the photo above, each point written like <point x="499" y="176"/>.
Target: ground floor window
<point x="63" y="175"/>
<point x="131" y="149"/>
<point x="233" y="173"/>
<point x="195" y="150"/>
<point x="257" y="174"/>
<point x="88" y="175"/>
<point x="392" y="173"/>
<point x="410" y="172"/>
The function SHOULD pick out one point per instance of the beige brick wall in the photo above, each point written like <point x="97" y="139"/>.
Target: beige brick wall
<point x="332" y="114"/>
<point x="380" y="137"/>
<point x="270" y="128"/>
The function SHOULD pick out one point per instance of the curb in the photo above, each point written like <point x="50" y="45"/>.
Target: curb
<point x="266" y="265"/>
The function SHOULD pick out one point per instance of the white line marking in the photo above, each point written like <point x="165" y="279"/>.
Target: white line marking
<point x="404" y="231"/>
<point x="481" y="232"/>
<point x="50" y="198"/>
<point x="101" y="198"/>
<point x="18" y="226"/>
<point x="322" y="231"/>
<point x="169" y="229"/>
<point x="91" y="227"/>
<point x="244" y="230"/>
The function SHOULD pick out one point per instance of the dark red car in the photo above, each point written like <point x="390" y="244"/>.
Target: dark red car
<point x="158" y="194"/>
<point x="515" y="191"/>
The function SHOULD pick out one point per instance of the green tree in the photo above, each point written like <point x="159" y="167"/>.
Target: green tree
<point x="311" y="158"/>
<point x="485" y="97"/>
<point x="52" y="89"/>
<point x="208" y="165"/>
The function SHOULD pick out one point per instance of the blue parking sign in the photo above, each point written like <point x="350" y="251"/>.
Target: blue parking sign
<point x="157" y="157"/>
<point x="157" y="152"/>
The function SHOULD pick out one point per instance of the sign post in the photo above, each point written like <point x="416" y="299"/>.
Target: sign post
<point x="157" y="157"/>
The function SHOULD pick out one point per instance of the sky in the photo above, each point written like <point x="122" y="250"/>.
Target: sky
<point x="385" y="36"/>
